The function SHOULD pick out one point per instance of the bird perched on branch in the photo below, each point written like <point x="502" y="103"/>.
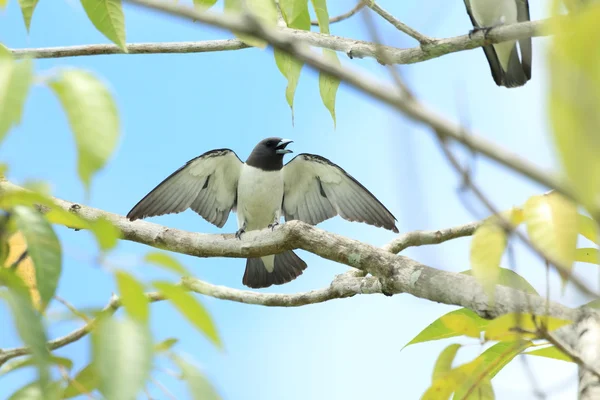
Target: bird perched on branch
<point x="506" y="67"/>
<point x="309" y="188"/>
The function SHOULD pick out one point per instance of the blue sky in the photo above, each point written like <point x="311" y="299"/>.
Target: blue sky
<point x="175" y="107"/>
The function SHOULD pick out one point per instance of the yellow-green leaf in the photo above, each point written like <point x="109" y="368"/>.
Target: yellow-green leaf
<point x="28" y="323"/>
<point x="511" y="279"/>
<point x="33" y="391"/>
<point x="44" y="249"/>
<point x="588" y="228"/>
<point x="587" y="255"/>
<point x="166" y="261"/>
<point x="328" y="85"/>
<point x="3" y="3"/>
<point x="444" y="362"/>
<point x="15" y="80"/>
<point x="93" y="116"/>
<point x="199" y="387"/>
<point x="295" y="13"/>
<point x="191" y="308"/>
<point x="29" y="361"/>
<point x="550" y="352"/>
<point x="165" y="345"/>
<point x="552" y="225"/>
<point x="86" y="381"/>
<point x="132" y="296"/>
<point x="204" y="5"/>
<point x="461" y="324"/>
<point x="122" y="356"/>
<point x="478" y="384"/>
<point x="290" y="67"/>
<point x="27" y="8"/>
<point x="107" y="235"/>
<point x="575" y="100"/>
<point x="107" y="16"/>
<point x="487" y="247"/>
<point x="235" y="6"/>
<point x="509" y="327"/>
<point x="442" y="387"/>
<point x="438" y="330"/>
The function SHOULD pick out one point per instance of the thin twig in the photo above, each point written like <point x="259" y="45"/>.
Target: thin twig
<point x="72" y="308"/>
<point x="422" y="39"/>
<point x="82" y="389"/>
<point x="162" y="388"/>
<point x="359" y="6"/>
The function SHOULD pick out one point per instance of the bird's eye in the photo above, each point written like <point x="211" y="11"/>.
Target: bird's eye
<point x="270" y="143"/>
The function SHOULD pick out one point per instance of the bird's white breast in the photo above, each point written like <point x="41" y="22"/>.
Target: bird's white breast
<point x="260" y="194"/>
<point x="494" y="12"/>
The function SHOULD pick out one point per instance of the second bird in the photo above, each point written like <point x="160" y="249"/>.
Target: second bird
<point x="506" y="67"/>
<point x="309" y="188"/>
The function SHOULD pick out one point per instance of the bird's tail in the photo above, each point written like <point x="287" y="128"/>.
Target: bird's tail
<point x="287" y="267"/>
<point x="515" y="74"/>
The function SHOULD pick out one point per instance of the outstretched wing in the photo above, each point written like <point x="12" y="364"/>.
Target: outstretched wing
<point x="315" y="189"/>
<point x="207" y="184"/>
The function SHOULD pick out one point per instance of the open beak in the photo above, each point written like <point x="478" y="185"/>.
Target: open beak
<point x="281" y="146"/>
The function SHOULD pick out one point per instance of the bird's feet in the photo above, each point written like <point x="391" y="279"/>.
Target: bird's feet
<point x="238" y="234"/>
<point x="273" y="225"/>
<point x="485" y="29"/>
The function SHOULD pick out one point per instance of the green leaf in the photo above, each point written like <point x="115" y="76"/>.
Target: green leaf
<point x="490" y="362"/>
<point x="165" y="345"/>
<point x="3" y="3"/>
<point x="122" y="354"/>
<point x="204" y="5"/>
<point x="107" y="16"/>
<point x="199" y="387"/>
<point x="487" y="247"/>
<point x="86" y="381"/>
<point x="593" y="304"/>
<point x="552" y="225"/>
<point x="290" y="67"/>
<point x="509" y="278"/>
<point x="442" y="387"/>
<point x="29" y="361"/>
<point x="438" y="330"/>
<point x="506" y="327"/>
<point x="550" y="352"/>
<point x="295" y="13"/>
<point x="443" y="365"/>
<point x="27" y="8"/>
<point x="33" y="391"/>
<point x="256" y="7"/>
<point x="107" y="235"/>
<point x="587" y="255"/>
<point x="574" y="101"/>
<point x="461" y="324"/>
<point x="191" y="308"/>
<point x="44" y="249"/>
<point x="28" y="323"/>
<point x="166" y="261"/>
<point x="132" y="296"/>
<point x="93" y="116"/>
<point x="588" y="228"/>
<point x="328" y="85"/>
<point x="15" y="80"/>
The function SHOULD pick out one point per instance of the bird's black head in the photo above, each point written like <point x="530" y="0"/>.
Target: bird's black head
<point x="268" y="154"/>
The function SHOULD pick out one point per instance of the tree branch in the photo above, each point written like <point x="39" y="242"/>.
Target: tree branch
<point x="402" y="27"/>
<point x="359" y="6"/>
<point x="353" y="48"/>
<point x="294" y="45"/>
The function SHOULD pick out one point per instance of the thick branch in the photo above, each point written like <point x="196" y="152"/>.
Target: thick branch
<point x="353" y="48"/>
<point x="397" y="274"/>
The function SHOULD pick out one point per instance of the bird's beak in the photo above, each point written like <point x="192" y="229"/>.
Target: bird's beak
<point x="281" y="146"/>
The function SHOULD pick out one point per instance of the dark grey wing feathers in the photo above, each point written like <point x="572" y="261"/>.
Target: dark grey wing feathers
<point x="315" y="189"/>
<point x="525" y="44"/>
<point x="207" y="184"/>
<point x="490" y="52"/>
